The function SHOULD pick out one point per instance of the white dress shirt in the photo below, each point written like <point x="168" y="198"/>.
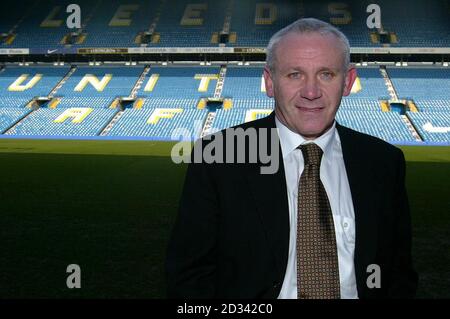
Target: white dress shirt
<point x="334" y="179"/>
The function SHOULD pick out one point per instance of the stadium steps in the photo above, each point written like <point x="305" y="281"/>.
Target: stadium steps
<point x="226" y="28"/>
<point x="73" y="68"/>
<point x="389" y="84"/>
<point x="220" y="81"/>
<point x="113" y="121"/>
<point x="155" y="36"/>
<point x="156" y="19"/>
<point x="139" y="82"/>
<point x="411" y="128"/>
<point x="207" y="126"/>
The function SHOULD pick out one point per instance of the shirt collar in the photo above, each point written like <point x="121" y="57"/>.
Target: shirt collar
<point x="290" y="140"/>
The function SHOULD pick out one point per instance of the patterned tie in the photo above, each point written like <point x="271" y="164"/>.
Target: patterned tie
<point x="317" y="260"/>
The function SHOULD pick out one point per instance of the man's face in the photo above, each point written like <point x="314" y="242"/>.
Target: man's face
<point x="308" y="82"/>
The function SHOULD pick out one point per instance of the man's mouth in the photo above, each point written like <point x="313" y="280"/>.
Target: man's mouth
<point x="310" y="109"/>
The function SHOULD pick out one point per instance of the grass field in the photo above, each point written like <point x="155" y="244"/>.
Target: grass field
<point x="108" y="206"/>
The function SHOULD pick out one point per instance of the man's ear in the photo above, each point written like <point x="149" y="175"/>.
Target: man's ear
<point x="268" y="82"/>
<point x="349" y="80"/>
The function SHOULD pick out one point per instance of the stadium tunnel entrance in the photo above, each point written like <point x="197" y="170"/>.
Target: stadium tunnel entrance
<point x="213" y="104"/>
<point x="398" y="107"/>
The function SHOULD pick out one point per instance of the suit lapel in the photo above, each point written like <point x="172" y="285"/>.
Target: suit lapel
<point x="269" y="192"/>
<point x="358" y="174"/>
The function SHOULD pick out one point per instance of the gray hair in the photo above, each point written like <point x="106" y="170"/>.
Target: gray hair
<point x="302" y="26"/>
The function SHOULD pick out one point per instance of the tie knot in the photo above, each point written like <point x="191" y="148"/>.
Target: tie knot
<point x="312" y="153"/>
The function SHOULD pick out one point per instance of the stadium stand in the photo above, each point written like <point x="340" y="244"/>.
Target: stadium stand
<point x="19" y="85"/>
<point x="181" y="88"/>
<point x="97" y="86"/>
<point x="398" y="104"/>
<point x="179" y="82"/>
<point x="190" y="23"/>
<point x="429" y="27"/>
<point x="39" y="24"/>
<point x="245" y="83"/>
<point x="63" y="122"/>
<point x="369" y="85"/>
<point x="185" y="23"/>
<point x="385" y="125"/>
<point x="116" y="24"/>
<point x="160" y="124"/>
<point x="421" y="83"/>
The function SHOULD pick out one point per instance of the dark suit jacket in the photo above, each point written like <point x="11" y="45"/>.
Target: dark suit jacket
<point x="231" y="237"/>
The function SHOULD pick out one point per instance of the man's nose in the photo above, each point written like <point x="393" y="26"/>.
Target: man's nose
<point x="311" y="89"/>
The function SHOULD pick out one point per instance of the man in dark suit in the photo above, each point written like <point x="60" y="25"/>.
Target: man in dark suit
<point x="332" y="221"/>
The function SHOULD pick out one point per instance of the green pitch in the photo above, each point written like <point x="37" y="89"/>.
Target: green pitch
<point x="108" y="206"/>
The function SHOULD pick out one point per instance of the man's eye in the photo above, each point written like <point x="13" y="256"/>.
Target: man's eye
<point x="326" y="75"/>
<point x="294" y="75"/>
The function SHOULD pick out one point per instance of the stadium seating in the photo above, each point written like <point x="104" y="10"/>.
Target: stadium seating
<point x="244" y="83"/>
<point x="253" y="103"/>
<point x="186" y="23"/>
<point x="179" y="82"/>
<point x="162" y="124"/>
<point x="102" y="30"/>
<point x="228" y="118"/>
<point x="173" y="97"/>
<point x="169" y="103"/>
<point x="423" y="83"/>
<point x="421" y="23"/>
<point x="179" y="25"/>
<point x="37" y="25"/>
<point x="20" y="84"/>
<point x="9" y="116"/>
<point x="426" y="106"/>
<point x="385" y="125"/>
<point x="432" y="126"/>
<point x="63" y="122"/>
<point x="97" y="86"/>
<point x="370" y="84"/>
